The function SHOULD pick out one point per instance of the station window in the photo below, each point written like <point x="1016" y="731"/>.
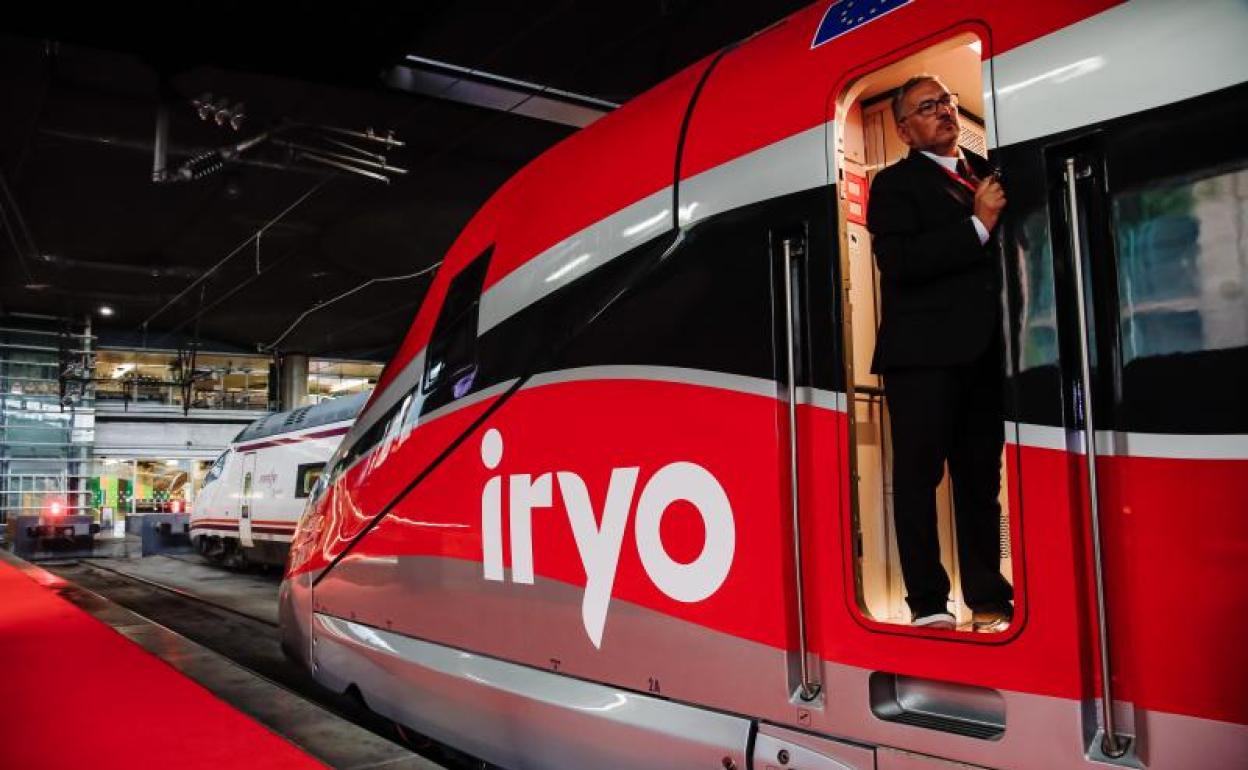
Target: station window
<point x="868" y="143"/>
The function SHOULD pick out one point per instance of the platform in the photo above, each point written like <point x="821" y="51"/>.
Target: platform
<point x="83" y="694"/>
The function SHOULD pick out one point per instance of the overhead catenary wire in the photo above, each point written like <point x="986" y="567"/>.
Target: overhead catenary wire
<point x="322" y="305"/>
<point x="254" y="236"/>
<point x="430" y="159"/>
<point x="143" y="327"/>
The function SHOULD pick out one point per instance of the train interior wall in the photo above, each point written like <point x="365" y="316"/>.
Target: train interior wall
<point x="867" y="142"/>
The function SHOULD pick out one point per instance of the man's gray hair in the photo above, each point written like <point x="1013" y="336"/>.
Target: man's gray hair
<point x="899" y="96"/>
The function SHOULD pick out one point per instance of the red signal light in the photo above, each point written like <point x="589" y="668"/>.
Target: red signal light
<point x="56" y="508"/>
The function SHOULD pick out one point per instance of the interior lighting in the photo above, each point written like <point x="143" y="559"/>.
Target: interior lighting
<point x="106" y="310"/>
<point x="348" y="384"/>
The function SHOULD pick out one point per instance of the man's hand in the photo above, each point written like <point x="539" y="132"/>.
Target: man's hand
<point x="989" y="200"/>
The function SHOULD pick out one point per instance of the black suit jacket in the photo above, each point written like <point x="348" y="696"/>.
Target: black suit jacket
<point x="940" y="288"/>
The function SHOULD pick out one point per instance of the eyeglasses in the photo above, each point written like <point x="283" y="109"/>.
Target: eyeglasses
<point x="928" y="107"/>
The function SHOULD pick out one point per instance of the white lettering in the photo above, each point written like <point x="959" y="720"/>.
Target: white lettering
<point x="492" y="528"/>
<point x="526" y="495"/>
<point x="600" y="539"/>
<point x="703" y="576"/>
<point x="492" y="507"/>
<point x="599" y="545"/>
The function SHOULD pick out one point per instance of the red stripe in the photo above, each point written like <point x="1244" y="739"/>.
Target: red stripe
<point x="293" y="439"/>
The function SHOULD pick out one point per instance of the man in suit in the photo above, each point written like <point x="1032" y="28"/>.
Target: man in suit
<point x="939" y="350"/>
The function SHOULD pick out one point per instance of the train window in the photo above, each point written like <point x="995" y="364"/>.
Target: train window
<point x="1177" y="221"/>
<point x="214" y="472"/>
<point x="451" y="357"/>
<point x="888" y="437"/>
<point x="364" y="444"/>
<point x="306" y="476"/>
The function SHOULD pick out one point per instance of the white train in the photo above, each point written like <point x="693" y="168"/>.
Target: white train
<point x="255" y="492"/>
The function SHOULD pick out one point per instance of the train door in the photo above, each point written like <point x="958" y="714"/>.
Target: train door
<point x="1148" y="262"/>
<point x="866" y="142"/>
<point x="246" y="500"/>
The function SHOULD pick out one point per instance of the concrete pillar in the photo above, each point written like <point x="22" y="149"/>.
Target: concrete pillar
<point x="294" y="381"/>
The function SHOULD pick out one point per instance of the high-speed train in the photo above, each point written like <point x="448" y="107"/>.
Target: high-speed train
<point x="619" y="500"/>
<point x="256" y="490"/>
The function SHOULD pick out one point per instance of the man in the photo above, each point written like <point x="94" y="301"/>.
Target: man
<point x="939" y="349"/>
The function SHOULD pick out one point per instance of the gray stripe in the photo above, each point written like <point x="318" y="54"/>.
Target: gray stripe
<point x="1174" y="446"/>
<point x="754" y="386"/>
<point x="473" y="398"/>
<point x="399" y="675"/>
<point x="795" y="163"/>
<point x="1128" y="59"/>
<point x="575" y="256"/>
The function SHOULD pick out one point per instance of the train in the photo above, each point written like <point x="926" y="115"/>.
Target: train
<point x="620" y="498"/>
<point x="255" y="491"/>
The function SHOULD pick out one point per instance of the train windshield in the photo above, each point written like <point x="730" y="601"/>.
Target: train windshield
<point x="215" y="471"/>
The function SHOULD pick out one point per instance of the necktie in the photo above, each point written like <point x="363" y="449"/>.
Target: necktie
<point x="964" y="171"/>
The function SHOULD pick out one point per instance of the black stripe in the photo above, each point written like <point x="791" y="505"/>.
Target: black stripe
<point x="709" y="307"/>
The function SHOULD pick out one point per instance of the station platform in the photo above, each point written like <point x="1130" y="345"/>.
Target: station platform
<point x="78" y="694"/>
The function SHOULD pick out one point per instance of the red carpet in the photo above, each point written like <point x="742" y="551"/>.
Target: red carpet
<point x="76" y="694"/>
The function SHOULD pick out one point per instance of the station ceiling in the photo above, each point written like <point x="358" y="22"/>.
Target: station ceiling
<point x="473" y="89"/>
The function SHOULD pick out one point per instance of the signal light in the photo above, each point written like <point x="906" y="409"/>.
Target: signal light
<point x="175" y="506"/>
<point x="56" y="508"/>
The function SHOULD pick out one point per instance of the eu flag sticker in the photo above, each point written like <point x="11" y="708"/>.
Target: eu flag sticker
<point x="847" y="15"/>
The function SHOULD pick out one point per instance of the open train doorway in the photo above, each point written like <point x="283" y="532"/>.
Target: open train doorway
<point x="866" y="141"/>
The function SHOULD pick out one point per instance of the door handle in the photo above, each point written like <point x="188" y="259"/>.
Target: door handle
<point x="1113" y="745"/>
<point x="808" y="689"/>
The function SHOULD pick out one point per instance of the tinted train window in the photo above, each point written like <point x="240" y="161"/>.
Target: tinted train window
<point x="451" y="358"/>
<point x="214" y="472"/>
<point x="306" y="477"/>
<point x="1182" y="266"/>
<point x="364" y="444"/>
<point x="1178" y="224"/>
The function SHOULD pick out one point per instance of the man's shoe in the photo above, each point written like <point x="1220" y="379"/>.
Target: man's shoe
<point x="941" y="620"/>
<point x="992" y="620"/>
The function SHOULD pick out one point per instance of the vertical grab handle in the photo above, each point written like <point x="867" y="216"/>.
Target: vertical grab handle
<point x="1113" y="745"/>
<point x="808" y="689"/>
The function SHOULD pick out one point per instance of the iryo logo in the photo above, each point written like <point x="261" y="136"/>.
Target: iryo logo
<point x="599" y="545"/>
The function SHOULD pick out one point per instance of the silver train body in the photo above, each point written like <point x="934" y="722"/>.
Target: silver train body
<point x="248" y="507"/>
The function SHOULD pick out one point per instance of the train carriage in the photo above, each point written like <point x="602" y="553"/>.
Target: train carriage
<point x="255" y="492"/>
<point x="620" y="500"/>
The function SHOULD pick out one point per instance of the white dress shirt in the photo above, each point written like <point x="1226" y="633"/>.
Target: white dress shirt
<point x="952" y="165"/>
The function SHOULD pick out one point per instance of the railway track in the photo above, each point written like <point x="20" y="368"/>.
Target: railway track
<point x="247" y="639"/>
<point x="179" y="592"/>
